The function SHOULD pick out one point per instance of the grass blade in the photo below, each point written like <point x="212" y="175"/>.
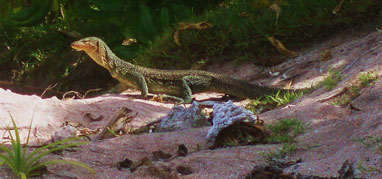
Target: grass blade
<point x="2" y="148"/>
<point x="51" y="145"/>
<point x="29" y="132"/>
<point x="61" y="161"/>
<point x="30" y="161"/>
<point x="23" y="176"/>
<point x="8" y="161"/>
<point x="16" y="143"/>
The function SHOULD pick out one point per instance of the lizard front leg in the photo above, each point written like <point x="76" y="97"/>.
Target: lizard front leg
<point x="142" y="85"/>
<point x="133" y="80"/>
<point x="190" y="83"/>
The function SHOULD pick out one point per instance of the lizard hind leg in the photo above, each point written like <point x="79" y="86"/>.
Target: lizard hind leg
<point x="194" y="84"/>
<point x="174" y="98"/>
<point x="186" y="91"/>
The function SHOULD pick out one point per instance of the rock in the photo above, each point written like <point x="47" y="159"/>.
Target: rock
<point x="225" y="114"/>
<point x="180" y="118"/>
<point x="64" y="132"/>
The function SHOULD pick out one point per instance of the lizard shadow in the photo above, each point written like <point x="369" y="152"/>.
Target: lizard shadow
<point x="152" y="97"/>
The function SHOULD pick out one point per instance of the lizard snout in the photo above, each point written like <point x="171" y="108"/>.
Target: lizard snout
<point x="76" y="46"/>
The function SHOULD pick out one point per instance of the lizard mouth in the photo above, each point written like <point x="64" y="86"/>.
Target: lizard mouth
<point x="75" y="47"/>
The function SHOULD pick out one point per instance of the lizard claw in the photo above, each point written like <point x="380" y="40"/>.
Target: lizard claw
<point x="157" y="98"/>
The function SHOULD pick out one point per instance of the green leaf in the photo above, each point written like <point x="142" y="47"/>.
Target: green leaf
<point x="62" y="161"/>
<point x="2" y="161"/>
<point x="112" y="6"/>
<point x="55" y="5"/>
<point x="146" y="20"/>
<point x="117" y="20"/>
<point x="2" y="148"/>
<point x="26" y="12"/>
<point x="128" y="32"/>
<point x="23" y="166"/>
<point x="44" y="6"/>
<point x="30" y="159"/>
<point x="164" y="17"/>
<point x="83" y="10"/>
<point x="126" y="52"/>
<point x="22" y="175"/>
<point x="16" y="144"/>
<point x="8" y="161"/>
<point x="179" y="12"/>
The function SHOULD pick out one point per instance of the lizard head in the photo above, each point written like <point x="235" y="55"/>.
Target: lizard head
<point x="87" y="44"/>
<point x="94" y="47"/>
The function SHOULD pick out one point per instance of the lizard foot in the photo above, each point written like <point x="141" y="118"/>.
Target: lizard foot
<point x="157" y="98"/>
<point x="176" y="99"/>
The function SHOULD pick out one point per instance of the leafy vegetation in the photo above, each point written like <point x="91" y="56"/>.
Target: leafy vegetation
<point x="36" y="34"/>
<point x="114" y="20"/>
<point x="25" y="164"/>
<point x="241" y="29"/>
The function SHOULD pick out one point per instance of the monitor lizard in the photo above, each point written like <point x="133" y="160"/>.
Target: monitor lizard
<point x="175" y="84"/>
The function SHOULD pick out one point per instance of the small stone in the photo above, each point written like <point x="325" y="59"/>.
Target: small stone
<point x="180" y="118"/>
<point x="226" y="114"/>
<point x="64" y="132"/>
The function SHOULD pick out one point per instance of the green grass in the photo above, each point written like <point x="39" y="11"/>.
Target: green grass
<point x="112" y="131"/>
<point x="370" y="141"/>
<point x="285" y="132"/>
<point x="243" y="138"/>
<point x="341" y="101"/>
<point x="365" y="79"/>
<point x="331" y="80"/>
<point x="285" y="150"/>
<point x="286" y="98"/>
<point x="272" y="101"/>
<point x="24" y="164"/>
<point x="367" y="169"/>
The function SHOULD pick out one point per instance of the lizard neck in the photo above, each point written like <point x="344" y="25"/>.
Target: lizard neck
<point x="107" y="59"/>
<point x="119" y="69"/>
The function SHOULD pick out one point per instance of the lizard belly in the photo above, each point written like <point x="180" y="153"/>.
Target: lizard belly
<point x="172" y="87"/>
<point x="126" y="80"/>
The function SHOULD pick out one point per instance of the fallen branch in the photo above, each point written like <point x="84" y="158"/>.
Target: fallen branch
<point x="337" y="93"/>
<point x="116" y="124"/>
<point x="78" y="94"/>
<point x="48" y="88"/>
<point x="281" y="48"/>
<point x="184" y="26"/>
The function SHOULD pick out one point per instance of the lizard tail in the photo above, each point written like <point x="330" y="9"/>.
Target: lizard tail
<point x="243" y="89"/>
